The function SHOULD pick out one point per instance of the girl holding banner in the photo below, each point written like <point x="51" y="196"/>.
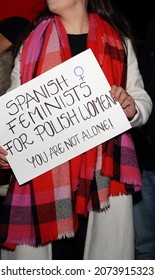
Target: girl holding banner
<point x="81" y="209"/>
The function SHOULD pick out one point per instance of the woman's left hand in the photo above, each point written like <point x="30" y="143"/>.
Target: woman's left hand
<point x="126" y="101"/>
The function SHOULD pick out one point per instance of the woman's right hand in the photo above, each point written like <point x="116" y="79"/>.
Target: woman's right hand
<point x="3" y="160"/>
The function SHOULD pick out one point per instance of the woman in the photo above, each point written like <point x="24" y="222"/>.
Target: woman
<point x="98" y="187"/>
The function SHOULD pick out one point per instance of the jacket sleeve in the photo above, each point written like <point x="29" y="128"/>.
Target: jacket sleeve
<point x="135" y="87"/>
<point x="15" y="75"/>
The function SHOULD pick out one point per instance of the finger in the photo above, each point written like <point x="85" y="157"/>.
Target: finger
<point x="125" y="100"/>
<point x="118" y="93"/>
<point x="2" y="151"/>
<point x="3" y="160"/>
<point x="112" y="91"/>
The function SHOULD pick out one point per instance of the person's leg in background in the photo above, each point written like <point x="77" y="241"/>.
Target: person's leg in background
<point x="144" y="218"/>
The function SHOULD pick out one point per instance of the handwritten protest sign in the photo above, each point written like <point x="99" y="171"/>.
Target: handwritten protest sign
<point x="57" y="116"/>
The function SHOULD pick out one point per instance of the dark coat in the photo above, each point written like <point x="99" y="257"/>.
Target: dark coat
<point x="146" y="144"/>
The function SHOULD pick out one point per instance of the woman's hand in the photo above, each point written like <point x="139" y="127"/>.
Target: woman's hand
<point x="3" y="160"/>
<point x="125" y="100"/>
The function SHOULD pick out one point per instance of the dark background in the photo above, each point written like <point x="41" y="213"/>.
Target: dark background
<point x="138" y="13"/>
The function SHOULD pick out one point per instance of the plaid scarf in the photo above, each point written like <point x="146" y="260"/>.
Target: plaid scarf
<point x="47" y="207"/>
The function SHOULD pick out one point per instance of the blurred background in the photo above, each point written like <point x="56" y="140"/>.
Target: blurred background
<point x="139" y="13"/>
<point x="23" y="8"/>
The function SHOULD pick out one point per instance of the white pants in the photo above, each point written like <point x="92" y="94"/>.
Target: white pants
<point x="110" y="236"/>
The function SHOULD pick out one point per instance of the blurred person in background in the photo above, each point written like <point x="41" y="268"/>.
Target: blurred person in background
<point x="144" y="201"/>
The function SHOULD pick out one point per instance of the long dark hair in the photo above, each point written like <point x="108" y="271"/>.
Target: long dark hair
<point x="109" y="11"/>
<point x="106" y="9"/>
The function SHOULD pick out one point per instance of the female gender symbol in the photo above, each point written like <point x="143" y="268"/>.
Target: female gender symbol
<point x="78" y="71"/>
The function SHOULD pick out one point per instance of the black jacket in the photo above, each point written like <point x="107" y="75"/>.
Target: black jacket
<point x="146" y="142"/>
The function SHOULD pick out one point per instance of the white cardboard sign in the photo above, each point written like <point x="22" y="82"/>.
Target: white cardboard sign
<point x="58" y="115"/>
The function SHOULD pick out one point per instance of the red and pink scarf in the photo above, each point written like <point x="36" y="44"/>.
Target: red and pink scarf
<point x="47" y="207"/>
